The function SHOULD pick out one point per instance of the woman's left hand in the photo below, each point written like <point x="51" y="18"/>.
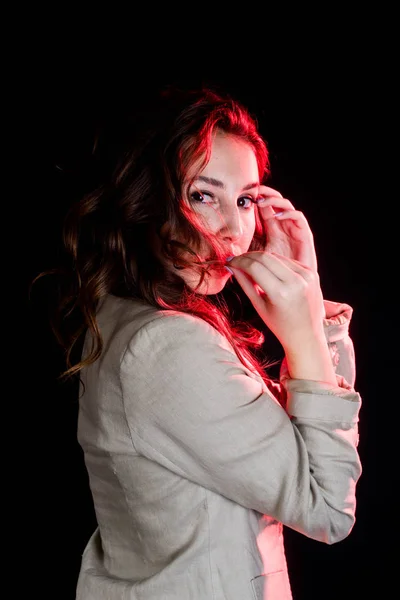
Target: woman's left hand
<point x="288" y="232"/>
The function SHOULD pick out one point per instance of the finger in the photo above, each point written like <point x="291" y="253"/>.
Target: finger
<point x="296" y="216"/>
<point x="275" y="202"/>
<point x="264" y="264"/>
<point x="295" y="265"/>
<point x="254" y="265"/>
<point x="278" y="264"/>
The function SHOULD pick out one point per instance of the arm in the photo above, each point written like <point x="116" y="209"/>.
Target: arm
<point x="192" y="407"/>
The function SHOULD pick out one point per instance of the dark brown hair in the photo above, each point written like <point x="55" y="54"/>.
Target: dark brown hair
<point x="108" y="233"/>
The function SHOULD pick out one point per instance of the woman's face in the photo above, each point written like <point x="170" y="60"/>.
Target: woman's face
<point x="222" y="194"/>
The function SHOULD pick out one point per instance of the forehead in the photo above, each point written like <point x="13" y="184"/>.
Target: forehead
<point x="231" y="157"/>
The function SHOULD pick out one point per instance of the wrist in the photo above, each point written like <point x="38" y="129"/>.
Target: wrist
<point x="311" y="359"/>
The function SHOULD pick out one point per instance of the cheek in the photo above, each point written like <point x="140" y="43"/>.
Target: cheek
<point x="212" y="219"/>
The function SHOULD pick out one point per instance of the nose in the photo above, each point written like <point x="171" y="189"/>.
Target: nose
<point x="231" y="226"/>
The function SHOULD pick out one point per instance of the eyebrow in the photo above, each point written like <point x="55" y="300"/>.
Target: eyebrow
<point x="220" y="184"/>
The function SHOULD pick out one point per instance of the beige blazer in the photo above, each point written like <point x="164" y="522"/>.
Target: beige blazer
<point x="194" y="465"/>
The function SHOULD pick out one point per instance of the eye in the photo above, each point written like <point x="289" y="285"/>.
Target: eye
<point x="250" y="201"/>
<point x="203" y="197"/>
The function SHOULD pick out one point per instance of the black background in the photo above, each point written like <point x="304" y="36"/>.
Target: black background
<point x="329" y="127"/>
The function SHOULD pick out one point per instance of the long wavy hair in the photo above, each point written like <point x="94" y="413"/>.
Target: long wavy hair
<point x="108" y="234"/>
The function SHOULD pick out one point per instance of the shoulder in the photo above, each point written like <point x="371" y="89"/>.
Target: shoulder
<point x="175" y="332"/>
<point x="138" y="330"/>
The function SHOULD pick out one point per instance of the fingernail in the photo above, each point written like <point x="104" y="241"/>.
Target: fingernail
<point x="229" y="258"/>
<point x="228" y="269"/>
<point x="279" y="214"/>
<point x="260" y="200"/>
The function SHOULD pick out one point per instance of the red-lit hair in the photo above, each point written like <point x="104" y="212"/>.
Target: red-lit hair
<point x="108" y="233"/>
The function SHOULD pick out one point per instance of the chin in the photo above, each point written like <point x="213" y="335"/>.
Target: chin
<point x="215" y="284"/>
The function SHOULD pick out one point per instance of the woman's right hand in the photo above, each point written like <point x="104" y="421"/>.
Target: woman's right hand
<point x="288" y="298"/>
<point x="286" y="294"/>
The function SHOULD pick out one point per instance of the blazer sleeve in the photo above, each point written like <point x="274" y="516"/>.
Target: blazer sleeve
<point x="193" y="407"/>
<point x="336" y="325"/>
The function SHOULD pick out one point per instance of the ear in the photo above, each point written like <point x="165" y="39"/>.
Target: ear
<point x="163" y="230"/>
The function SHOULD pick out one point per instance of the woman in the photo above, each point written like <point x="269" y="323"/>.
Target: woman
<point x="196" y="457"/>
